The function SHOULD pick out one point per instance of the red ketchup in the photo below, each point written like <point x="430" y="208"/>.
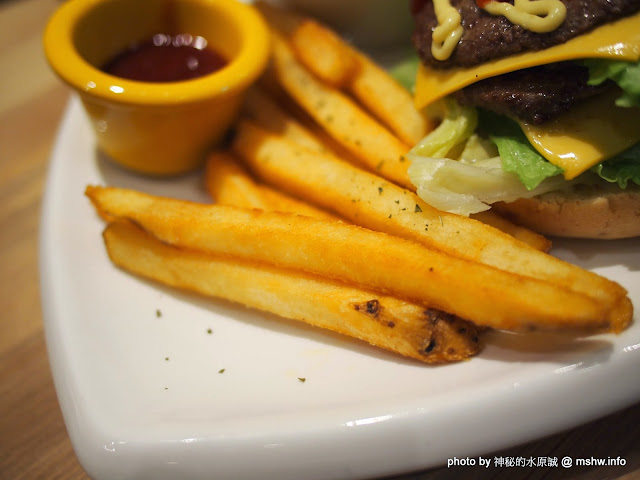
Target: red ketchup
<point x="166" y="58"/>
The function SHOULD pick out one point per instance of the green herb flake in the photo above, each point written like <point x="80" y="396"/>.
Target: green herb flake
<point x="380" y="190"/>
<point x="417" y="209"/>
<point x="209" y="331"/>
<point x="302" y="379"/>
<point x="221" y="370"/>
<point x="158" y="313"/>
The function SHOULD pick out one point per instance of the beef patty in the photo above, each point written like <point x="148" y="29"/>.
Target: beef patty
<point x="489" y="36"/>
<point x="534" y="95"/>
<point x="537" y="94"/>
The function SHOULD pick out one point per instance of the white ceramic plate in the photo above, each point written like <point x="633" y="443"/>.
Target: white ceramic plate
<point x="155" y="383"/>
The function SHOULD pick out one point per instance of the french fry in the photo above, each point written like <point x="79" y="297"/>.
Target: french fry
<point x="262" y="109"/>
<point x="229" y="183"/>
<point x="339" y="64"/>
<point x="368" y="200"/>
<point x="328" y="55"/>
<point x="386" y="322"/>
<point x="531" y="238"/>
<point x="388" y="101"/>
<point x="371" y="143"/>
<point x="363" y="258"/>
<point x="285" y="118"/>
<point x="317" y="47"/>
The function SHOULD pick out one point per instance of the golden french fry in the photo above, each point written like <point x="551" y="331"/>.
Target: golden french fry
<point x="364" y="258"/>
<point x="388" y="101"/>
<point x="278" y="201"/>
<point x="261" y="109"/>
<point x="264" y="110"/>
<point x="324" y="53"/>
<point x="229" y="183"/>
<point x="531" y="238"/>
<point x="339" y="64"/>
<point x="373" y="145"/>
<point x="317" y="47"/>
<point x="368" y="200"/>
<point x="386" y="322"/>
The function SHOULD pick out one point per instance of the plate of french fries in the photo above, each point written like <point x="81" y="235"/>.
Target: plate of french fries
<point x="294" y="310"/>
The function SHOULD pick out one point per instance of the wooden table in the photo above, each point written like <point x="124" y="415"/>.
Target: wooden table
<point x="33" y="440"/>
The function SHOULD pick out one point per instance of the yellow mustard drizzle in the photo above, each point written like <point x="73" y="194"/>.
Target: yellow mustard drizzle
<point x="539" y="16"/>
<point x="448" y="32"/>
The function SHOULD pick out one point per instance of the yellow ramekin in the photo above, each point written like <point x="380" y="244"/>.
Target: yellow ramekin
<point x="156" y="128"/>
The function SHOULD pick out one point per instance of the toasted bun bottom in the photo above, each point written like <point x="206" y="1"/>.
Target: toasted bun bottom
<point x="587" y="211"/>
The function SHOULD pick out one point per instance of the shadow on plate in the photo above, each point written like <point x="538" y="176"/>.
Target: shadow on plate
<point x="592" y="254"/>
<point x="559" y="348"/>
<point x="269" y="322"/>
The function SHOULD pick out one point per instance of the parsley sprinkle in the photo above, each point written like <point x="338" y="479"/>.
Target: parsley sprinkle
<point x="417" y="209"/>
<point x="302" y="379"/>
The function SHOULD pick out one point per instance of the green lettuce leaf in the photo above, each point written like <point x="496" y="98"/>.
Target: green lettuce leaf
<point x="622" y="169"/>
<point x="457" y="125"/>
<point x="518" y="156"/>
<point x="457" y="171"/>
<point x="625" y="74"/>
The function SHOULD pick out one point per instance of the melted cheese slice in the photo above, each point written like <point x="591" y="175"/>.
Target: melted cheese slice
<point x="619" y="40"/>
<point x="590" y="133"/>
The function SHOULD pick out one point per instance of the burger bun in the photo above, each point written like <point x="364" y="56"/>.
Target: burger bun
<point x="601" y="211"/>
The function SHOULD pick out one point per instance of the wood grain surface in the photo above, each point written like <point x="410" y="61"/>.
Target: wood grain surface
<point x="33" y="441"/>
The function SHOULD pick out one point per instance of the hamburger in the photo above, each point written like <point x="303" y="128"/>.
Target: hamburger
<point x="538" y="103"/>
